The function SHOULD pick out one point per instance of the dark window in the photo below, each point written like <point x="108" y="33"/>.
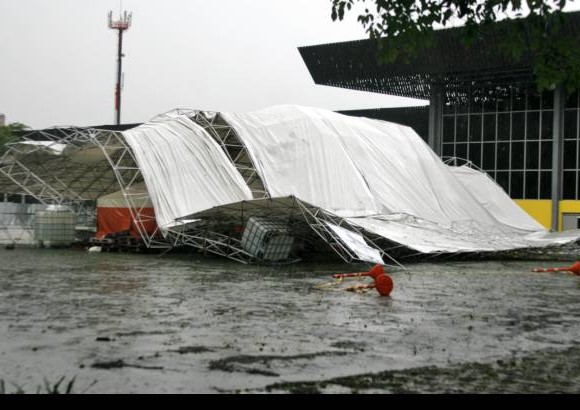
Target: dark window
<point x="14" y="198"/>
<point x="489" y="103"/>
<point x="517" y="185"/>
<point x="503" y="102"/>
<point x="461" y="130"/>
<point x="570" y="155"/>
<point x="475" y="128"/>
<point x="489" y="156"/>
<point x="517" y="155"/>
<point x="503" y="127"/>
<point x="545" y="184"/>
<point x="531" y="185"/>
<point x="570" y="124"/>
<point x="547" y="124"/>
<point x="533" y="126"/>
<point x="448" y="150"/>
<point x="462" y="108"/>
<point x="489" y="127"/>
<point x="476" y="104"/>
<point x="518" y="125"/>
<point x="448" y="109"/>
<point x="518" y="100"/>
<point x="546" y="155"/>
<point x="532" y="155"/>
<point x="533" y="100"/>
<point x="548" y="100"/>
<point x="31" y="200"/>
<point x="461" y="151"/>
<point x="578" y="185"/>
<point x="503" y="155"/>
<point x="448" y="129"/>
<point x="503" y="179"/>
<point x="572" y="100"/>
<point x="475" y="153"/>
<point x="569" y="185"/>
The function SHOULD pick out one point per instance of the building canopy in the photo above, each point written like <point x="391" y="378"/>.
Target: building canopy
<point x="449" y="62"/>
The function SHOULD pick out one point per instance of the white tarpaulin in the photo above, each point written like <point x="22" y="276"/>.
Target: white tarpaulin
<point x="299" y="154"/>
<point x="384" y="178"/>
<point x="184" y="169"/>
<point x="357" y="244"/>
<point x="137" y="196"/>
<point x="494" y="199"/>
<point x="352" y="166"/>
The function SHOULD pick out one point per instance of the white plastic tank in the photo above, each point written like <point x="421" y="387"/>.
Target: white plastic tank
<point x="55" y="228"/>
<point x="267" y="240"/>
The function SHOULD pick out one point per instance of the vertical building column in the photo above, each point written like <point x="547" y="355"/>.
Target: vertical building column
<point x="557" y="154"/>
<point x="436" y="117"/>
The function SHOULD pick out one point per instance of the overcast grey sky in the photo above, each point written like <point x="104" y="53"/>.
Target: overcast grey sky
<point x="58" y="58"/>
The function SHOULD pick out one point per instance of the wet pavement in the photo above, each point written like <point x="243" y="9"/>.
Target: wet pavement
<point x="130" y="323"/>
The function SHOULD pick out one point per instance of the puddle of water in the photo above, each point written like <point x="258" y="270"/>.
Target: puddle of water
<point x="123" y="323"/>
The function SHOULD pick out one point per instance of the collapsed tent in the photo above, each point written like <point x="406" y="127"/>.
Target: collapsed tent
<point x="385" y="179"/>
<point x="293" y="177"/>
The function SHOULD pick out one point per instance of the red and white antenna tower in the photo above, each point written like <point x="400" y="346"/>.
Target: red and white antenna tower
<point x="122" y="24"/>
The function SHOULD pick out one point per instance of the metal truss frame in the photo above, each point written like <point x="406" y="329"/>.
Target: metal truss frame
<point x="312" y="217"/>
<point x="76" y="184"/>
<point x="318" y="220"/>
<point x="30" y="183"/>
<point x="226" y="136"/>
<point x="458" y="161"/>
<point x="61" y="177"/>
<point x="127" y="172"/>
<point x="212" y="230"/>
<point x="209" y="242"/>
<point x="34" y="169"/>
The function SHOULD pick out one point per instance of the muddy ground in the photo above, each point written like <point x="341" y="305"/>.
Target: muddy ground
<point x="126" y="323"/>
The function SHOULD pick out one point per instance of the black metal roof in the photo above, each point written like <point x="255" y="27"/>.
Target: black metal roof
<point x="449" y="61"/>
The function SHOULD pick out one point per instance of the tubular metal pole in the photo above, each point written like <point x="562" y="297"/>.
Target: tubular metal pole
<point x="557" y="154"/>
<point x="119" y="74"/>
<point x="436" y="103"/>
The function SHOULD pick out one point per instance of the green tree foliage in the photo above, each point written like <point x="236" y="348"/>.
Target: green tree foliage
<point x="8" y="134"/>
<point x="408" y="26"/>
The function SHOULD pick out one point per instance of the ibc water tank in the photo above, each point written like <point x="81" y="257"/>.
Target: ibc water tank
<point x="54" y="229"/>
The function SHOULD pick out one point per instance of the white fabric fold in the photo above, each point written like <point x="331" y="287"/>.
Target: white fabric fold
<point x="184" y="169"/>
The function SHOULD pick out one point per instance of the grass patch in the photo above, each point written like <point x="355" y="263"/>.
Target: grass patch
<point x="60" y="387"/>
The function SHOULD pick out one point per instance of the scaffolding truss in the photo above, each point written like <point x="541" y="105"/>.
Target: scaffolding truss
<point x="218" y="230"/>
<point x="225" y="135"/>
<point x="78" y="166"/>
<point x="30" y="183"/>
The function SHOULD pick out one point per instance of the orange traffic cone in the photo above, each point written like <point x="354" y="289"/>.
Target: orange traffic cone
<point x="383" y="283"/>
